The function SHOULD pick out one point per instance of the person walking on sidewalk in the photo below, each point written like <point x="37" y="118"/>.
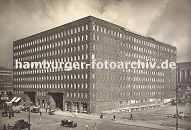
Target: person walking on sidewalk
<point x="40" y="115"/>
<point x="9" y="116"/>
<point x="101" y="116"/>
<point x="114" y="117"/>
<point x="131" y="116"/>
<point x="4" y="127"/>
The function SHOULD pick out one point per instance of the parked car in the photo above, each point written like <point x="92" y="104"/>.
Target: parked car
<point x="52" y="112"/>
<point x="68" y="123"/>
<point x="185" y="116"/>
<point x="20" y="124"/>
<point x="16" y="109"/>
<point x="25" y="109"/>
<point x="10" y="113"/>
<point x="35" y="110"/>
<point x="4" y="113"/>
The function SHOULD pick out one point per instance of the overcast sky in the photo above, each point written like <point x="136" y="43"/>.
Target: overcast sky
<point x="166" y="20"/>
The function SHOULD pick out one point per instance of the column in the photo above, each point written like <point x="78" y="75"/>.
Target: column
<point x="27" y="101"/>
<point x="22" y="102"/>
<point x="178" y="76"/>
<point x="64" y="106"/>
<point x="36" y="102"/>
<point x="187" y="74"/>
<point x="41" y="103"/>
<point x="181" y="75"/>
<point x="72" y="106"/>
<point x="88" y="108"/>
<point x="79" y="107"/>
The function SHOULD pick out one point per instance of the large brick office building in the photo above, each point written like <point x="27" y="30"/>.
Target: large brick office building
<point x="92" y="90"/>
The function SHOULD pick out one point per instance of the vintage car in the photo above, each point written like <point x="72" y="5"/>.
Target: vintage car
<point x="25" y="108"/>
<point x="4" y="113"/>
<point x="52" y="112"/>
<point x="10" y="113"/>
<point x="185" y="116"/>
<point x="20" y="124"/>
<point x="35" y="110"/>
<point x="68" y="123"/>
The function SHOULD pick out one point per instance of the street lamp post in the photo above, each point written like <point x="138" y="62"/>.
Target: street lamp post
<point x="177" y="107"/>
<point x="29" y="118"/>
<point x="177" y="90"/>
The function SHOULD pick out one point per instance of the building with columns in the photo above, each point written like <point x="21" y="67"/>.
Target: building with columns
<point x="183" y="72"/>
<point x="92" y="90"/>
<point x="184" y="81"/>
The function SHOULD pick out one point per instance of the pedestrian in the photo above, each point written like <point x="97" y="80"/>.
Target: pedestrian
<point x="4" y="127"/>
<point x="9" y="116"/>
<point x="46" y="110"/>
<point x="114" y="117"/>
<point x="131" y="116"/>
<point x="40" y="115"/>
<point x="101" y="116"/>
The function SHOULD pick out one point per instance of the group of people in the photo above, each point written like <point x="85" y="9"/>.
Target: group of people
<point x="114" y="117"/>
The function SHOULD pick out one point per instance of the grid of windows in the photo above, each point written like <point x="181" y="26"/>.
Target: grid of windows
<point x="94" y="39"/>
<point x="116" y="44"/>
<point x="65" y="45"/>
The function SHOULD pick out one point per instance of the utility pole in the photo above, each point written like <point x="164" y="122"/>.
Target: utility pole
<point x="76" y="109"/>
<point x="95" y="126"/>
<point x="29" y="118"/>
<point x="177" y="88"/>
<point x="177" y="107"/>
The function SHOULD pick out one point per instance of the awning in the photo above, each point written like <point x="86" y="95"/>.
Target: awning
<point x="18" y="99"/>
<point x="8" y="102"/>
<point x="12" y="100"/>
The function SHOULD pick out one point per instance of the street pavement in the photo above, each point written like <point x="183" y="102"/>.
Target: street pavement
<point x="142" y="121"/>
<point x="52" y="122"/>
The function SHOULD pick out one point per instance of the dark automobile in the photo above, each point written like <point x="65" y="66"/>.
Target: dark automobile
<point x="52" y="112"/>
<point x="68" y="123"/>
<point x="4" y="113"/>
<point x="8" y="113"/>
<point x="35" y="110"/>
<point x="20" y="124"/>
<point x="25" y="109"/>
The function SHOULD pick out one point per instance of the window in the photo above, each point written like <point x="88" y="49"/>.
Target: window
<point x="82" y="28"/>
<point x="93" y="27"/>
<point x="93" y="56"/>
<point x="86" y="27"/>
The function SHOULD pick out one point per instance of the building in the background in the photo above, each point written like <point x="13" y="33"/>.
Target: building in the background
<point x="92" y="90"/>
<point x="184" y="74"/>
<point x="184" y="80"/>
<point x="6" y="83"/>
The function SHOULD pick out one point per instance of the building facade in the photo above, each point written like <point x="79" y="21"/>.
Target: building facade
<point x="184" y="81"/>
<point x="92" y="90"/>
<point x="183" y="73"/>
<point x="6" y="83"/>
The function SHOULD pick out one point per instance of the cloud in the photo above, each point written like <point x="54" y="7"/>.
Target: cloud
<point x="173" y="26"/>
<point x="21" y="18"/>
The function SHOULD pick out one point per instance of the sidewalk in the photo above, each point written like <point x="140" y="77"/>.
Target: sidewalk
<point x="137" y="123"/>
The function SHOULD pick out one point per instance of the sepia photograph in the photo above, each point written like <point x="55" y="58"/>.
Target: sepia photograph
<point x="95" y="64"/>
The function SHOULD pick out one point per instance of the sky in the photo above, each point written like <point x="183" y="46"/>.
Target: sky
<point x="165" y="20"/>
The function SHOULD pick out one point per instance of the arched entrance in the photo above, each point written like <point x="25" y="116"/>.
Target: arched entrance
<point x="54" y="100"/>
<point x="30" y="98"/>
